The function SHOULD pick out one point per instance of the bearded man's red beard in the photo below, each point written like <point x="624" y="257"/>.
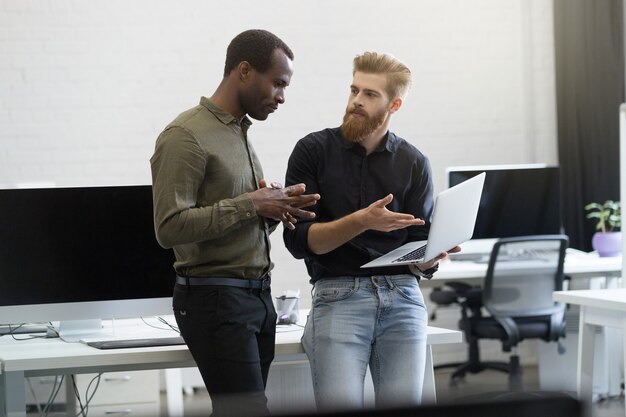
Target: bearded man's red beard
<point x="355" y="129"/>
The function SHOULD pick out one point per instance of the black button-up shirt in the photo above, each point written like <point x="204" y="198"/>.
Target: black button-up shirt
<point x="348" y="180"/>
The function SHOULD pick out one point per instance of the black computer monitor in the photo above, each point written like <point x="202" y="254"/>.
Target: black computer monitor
<point x="82" y="254"/>
<point x="517" y="200"/>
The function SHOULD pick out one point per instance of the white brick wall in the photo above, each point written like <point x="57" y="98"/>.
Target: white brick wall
<point x="85" y="87"/>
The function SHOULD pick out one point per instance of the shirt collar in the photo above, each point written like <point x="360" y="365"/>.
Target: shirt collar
<point x="389" y="142"/>
<point x="222" y="115"/>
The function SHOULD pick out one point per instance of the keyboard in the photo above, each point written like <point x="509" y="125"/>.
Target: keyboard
<point x="416" y="254"/>
<point x="137" y="343"/>
<point x="470" y="257"/>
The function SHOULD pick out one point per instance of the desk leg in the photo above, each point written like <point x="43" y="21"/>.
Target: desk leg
<point x="174" y="391"/>
<point x="71" y="402"/>
<point x="586" y="345"/>
<point x="12" y="395"/>
<point x="429" y="395"/>
<point x="624" y="346"/>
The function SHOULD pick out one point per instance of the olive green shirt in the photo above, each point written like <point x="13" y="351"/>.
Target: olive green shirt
<point x="202" y="168"/>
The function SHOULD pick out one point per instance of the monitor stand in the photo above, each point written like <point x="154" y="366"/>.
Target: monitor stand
<point x="76" y="330"/>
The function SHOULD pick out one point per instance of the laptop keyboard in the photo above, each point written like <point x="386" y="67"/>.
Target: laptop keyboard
<point x="416" y="254"/>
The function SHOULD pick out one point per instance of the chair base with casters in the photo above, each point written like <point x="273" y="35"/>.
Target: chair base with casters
<point x="469" y="298"/>
<point x="530" y="327"/>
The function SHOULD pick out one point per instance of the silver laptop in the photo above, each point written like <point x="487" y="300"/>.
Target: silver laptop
<point x="453" y="222"/>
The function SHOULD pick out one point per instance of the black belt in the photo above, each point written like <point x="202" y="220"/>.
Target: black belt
<point x="260" y="284"/>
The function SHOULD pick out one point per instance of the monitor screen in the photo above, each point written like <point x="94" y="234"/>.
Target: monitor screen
<point x="81" y="253"/>
<point x="517" y="200"/>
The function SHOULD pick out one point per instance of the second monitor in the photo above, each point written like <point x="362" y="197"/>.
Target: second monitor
<point x="517" y="200"/>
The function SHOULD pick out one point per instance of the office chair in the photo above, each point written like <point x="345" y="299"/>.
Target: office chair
<point x="469" y="298"/>
<point x="517" y="293"/>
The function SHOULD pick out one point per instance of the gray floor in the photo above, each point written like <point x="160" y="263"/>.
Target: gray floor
<point x="487" y="382"/>
<point x="481" y="384"/>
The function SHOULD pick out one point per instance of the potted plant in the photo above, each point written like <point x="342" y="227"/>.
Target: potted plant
<point x="607" y="241"/>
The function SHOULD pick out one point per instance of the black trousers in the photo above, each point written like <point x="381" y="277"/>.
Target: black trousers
<point x="231" y="334"/>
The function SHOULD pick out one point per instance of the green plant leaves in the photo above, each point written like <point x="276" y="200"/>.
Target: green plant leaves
<point x="609" y="215"/>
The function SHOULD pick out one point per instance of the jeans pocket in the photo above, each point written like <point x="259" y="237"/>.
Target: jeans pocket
<point x="329" y="294"/>
<point x="410" y="292"/>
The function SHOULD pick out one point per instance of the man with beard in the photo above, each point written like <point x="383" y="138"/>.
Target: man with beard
<point x="376" y="193"/>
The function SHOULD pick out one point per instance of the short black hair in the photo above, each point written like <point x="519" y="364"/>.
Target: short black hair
<point x="256" y="47"/>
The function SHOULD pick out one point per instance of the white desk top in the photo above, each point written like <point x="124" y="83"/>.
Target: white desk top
<point x="43" y="356"/>
<point x="576" y="264"/>
<point x="610" y="299"/>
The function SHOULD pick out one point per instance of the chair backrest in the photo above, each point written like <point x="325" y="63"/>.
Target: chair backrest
<point x="522" y="274"/>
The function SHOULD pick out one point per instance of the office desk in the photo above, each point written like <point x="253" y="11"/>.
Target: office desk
<point x="577" y="266"/>
<point x="53" y="357"/>
<point x="40" y="357"/>
<point x="598" y="308"/>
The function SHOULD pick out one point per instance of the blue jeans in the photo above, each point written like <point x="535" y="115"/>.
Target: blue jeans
<point x="354" y="322"/>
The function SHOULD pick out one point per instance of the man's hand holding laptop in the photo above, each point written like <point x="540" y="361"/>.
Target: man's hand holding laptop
<point x="428" y="268"/>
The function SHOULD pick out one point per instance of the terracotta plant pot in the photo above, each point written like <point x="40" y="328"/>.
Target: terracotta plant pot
<point x="607" y="243"/>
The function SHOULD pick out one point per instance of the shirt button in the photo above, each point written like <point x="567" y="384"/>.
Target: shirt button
<point x="248" y="214"/>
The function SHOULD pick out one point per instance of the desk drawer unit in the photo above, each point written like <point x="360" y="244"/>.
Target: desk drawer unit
<point x="122" y="393"/>
<point x="132" y="409"/>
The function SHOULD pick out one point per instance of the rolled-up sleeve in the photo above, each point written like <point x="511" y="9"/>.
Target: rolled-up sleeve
<point x="301" y="168"/>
